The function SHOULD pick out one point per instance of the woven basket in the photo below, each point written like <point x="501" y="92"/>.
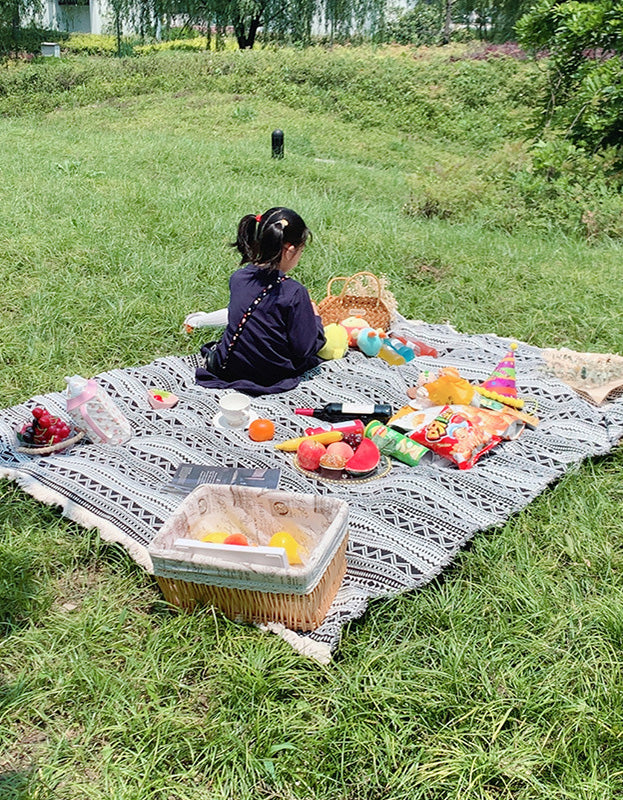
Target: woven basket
<point x="352" y="302"/>
<point x="302" y="612"/>
<point x="297" y="596"/>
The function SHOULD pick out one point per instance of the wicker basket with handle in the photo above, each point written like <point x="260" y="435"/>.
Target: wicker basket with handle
<point x="352" y="301"/>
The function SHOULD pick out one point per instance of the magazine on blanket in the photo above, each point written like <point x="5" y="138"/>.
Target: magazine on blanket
<point x="188" y="476"/>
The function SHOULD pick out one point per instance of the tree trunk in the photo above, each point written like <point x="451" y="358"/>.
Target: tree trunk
<point x="246" y="39"/>
<point x="118" y="32"/>
<point x="15" y="26"/>
<point x="447" y="22"/>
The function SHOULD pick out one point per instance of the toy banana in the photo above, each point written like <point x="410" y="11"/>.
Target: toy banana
<point x="326" y="437"/>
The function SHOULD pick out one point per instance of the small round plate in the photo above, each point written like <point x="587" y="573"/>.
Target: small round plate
<point x="219" y="421"/>
<point x="384" y="466"/>
<point x="46" y="449"/>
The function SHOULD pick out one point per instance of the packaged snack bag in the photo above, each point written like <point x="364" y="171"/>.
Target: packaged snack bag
<point x="393" y="443"/>
<point x="503" y="423"/>
<point x="449" y="433"/>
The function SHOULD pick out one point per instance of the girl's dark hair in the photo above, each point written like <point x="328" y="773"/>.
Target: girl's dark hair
<point x="261" y="239"/>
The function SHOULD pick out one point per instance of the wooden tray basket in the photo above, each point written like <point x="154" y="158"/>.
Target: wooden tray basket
<point x="353" y="301"/>
<point x="297" y="596"/>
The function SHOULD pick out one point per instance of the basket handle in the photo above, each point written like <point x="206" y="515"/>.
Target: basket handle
<point x="347" y="280"/>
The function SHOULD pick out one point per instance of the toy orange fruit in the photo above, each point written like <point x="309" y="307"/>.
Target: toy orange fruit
<point x="237" y="538"/>
<point x="261" y="430"/>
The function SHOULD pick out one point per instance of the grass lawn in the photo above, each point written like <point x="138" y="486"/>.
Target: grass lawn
<point x="502" y="680"/>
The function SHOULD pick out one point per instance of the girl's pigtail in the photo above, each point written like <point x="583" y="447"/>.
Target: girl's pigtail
<point x="246" y="240"/>
<point x="271" y="242"/>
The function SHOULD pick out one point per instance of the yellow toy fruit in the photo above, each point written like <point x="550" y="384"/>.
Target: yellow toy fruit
<point x="326" y="437"/>
<point x="289" y="544"/>
<point x="218" y="537"/>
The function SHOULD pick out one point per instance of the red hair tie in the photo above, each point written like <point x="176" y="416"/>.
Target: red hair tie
<point x="258" y="217"/>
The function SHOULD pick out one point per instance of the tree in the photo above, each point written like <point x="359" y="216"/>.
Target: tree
<point x="279" y="19"/>
<point x="494" y="20"/>
<point x="585" y="88"/>
<point x="13" y="14"/>
<point x="420" y="25"/>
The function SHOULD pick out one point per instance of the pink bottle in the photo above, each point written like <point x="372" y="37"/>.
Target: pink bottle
<point x="94" y="412"/>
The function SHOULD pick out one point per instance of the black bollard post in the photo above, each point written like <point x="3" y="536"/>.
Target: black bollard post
<point x="277" y="143"/>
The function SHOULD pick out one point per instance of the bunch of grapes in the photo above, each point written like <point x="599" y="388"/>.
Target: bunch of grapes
<point x="354" y="439"/>
<point x="44" y="429"/>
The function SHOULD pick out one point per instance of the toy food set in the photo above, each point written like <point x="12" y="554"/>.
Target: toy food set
<point x="292" y="581"/>
<point x="94" y="412"/>
<point x="339" y="460"/>
<point x="392" y="443"/>
<point x="324" y="437"/>
<point x="45" y="433"/>
<point x="160" y="398"/>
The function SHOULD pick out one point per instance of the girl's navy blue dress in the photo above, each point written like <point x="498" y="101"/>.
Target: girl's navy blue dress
<point x="278" y="342"/>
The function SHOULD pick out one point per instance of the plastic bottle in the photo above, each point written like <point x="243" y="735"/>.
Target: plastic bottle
<point x="390" y="355"/>
<point x="419" y="348"/>
<point x="94" y="412"/>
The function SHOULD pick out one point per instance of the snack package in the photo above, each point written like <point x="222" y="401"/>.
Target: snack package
<point x="448" y="432"/>
<point x="504" y="422"/>
<point x="395" y="444"/>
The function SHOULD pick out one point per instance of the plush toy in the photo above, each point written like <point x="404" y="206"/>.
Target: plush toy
<point x="336" y="344"/>
<point x="353" y="325"/>
<point x="369" y="341"/>
<point x="446" y="388"/>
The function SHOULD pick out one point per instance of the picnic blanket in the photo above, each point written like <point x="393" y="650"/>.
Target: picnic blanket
<point x="404" y="527"/>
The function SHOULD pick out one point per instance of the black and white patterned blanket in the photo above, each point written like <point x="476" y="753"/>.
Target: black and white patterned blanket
<point x="404" y="528"/>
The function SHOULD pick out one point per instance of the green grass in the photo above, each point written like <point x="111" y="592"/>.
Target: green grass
<point x="503" y="679"/>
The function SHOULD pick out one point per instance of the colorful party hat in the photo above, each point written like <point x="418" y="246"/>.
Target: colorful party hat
<point x="500" y="385"/>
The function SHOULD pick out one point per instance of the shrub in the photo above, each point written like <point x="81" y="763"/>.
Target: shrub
<point x="28" y="39"/>
<point x="195" y="44"/>
<point x="90" y="44"/>
<point x="584" y="97"/>
<point x="419" y="25"/>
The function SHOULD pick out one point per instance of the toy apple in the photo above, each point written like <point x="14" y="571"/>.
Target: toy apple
<point x="309" y="453"/>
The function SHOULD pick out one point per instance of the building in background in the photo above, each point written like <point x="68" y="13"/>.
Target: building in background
<point x="77" y="16"/>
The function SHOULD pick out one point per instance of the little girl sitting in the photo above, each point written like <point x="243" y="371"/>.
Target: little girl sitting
<point x="273" y="331"/>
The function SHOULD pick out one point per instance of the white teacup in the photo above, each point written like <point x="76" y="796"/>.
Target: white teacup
<point x="235" y="408"/>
